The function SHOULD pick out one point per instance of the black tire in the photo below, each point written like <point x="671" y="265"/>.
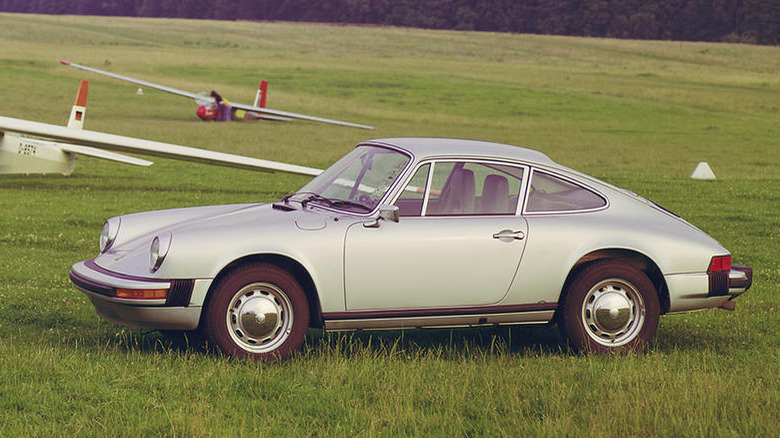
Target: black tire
<point x="257" y="311"/>
<point x="610" y="307"/>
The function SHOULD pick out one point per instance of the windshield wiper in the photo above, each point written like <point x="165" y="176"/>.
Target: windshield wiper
<point x="317" y="197"/>
<point x="335" y="203"/>
<point x="347" y="203"/>
<point x="287" y="198"/>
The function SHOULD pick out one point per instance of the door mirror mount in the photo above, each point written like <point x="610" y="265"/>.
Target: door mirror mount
<point x="386" y="212"/>
<point x="389" y="213"/>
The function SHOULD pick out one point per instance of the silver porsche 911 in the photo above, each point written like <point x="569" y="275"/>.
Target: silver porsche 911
<point x="407" y="233"/>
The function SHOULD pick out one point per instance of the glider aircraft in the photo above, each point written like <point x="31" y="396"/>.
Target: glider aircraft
<point x="209" y="104"/>
<point x="28" y="147"/>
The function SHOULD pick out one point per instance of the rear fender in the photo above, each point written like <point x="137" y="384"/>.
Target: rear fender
<point x="632" y="258"/>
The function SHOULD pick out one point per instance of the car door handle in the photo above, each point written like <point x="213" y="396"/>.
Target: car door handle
<point x="508" y="235"/>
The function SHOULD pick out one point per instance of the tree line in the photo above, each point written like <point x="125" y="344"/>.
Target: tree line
<point x="749" y="21"/>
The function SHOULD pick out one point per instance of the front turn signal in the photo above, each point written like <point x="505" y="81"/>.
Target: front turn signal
<point x="142" y="294"/>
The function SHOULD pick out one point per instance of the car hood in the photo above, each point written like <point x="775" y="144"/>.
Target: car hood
<point x="201" y="233"/>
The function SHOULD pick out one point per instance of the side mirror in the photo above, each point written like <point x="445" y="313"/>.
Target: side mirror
<point x="389" y="212"/>
<point x="386" y="212"/>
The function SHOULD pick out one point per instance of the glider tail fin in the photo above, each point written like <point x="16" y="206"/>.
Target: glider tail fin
<point x="262" y="91"/>
<point x="76" y="120"/>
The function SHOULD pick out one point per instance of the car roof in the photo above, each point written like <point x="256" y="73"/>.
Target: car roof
<point x="427" y="147"/>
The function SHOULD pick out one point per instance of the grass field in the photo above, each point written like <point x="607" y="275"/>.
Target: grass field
<point x="636" y="114"/>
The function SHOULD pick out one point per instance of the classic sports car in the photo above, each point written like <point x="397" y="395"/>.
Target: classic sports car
<point x="413" y="232"/>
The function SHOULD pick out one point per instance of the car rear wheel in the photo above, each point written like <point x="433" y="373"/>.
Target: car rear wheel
<point x="610" y="307"/>
<point x="258" y="311"/>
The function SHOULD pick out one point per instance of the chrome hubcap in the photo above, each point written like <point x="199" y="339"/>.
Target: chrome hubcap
<point x="613" y="312"/>
<point x="259" y="317"/>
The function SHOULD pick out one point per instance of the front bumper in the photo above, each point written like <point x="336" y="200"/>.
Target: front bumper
<point x="175" y="312"/>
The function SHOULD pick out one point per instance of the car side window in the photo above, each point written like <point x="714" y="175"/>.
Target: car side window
<point x="549" y="193"/>
<point x="410" y="202"/>
<point x="460" y="188"/>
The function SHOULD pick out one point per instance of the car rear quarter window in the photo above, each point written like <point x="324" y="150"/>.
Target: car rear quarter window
<point x="550" y="194"/>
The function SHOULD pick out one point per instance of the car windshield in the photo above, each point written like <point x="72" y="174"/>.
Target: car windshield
<point x="355" y="183"/>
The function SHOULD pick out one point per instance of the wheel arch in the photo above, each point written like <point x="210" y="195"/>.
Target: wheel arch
<point x="295" y="268"/>
<point x="630" y="257"/>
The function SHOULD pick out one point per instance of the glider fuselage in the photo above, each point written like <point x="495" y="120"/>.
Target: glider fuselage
<point x="24" y="155"/>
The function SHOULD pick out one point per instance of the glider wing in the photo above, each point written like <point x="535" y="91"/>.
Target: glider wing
<point x="118" y="143"/>
<point x="198" y="98"/>
<point x="297" y="116"/>
<point x="135" y="81"/>
<point x="105" y="155"/>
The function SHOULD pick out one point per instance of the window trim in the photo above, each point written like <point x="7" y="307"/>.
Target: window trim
<point x="428" y="181"/>
<point x="522" y="191"/>
<point x="569" y="180"/>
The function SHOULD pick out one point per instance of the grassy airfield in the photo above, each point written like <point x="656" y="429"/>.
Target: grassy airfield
<point x="637" y="114"/>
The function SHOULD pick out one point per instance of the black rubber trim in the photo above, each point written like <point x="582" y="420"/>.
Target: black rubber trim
<point x="87" y="285"/>
<point x="180" y="293"/>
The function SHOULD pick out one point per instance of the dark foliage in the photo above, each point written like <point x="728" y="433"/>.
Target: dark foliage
<point x="751" y="21"/>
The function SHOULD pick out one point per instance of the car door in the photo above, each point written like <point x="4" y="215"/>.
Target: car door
<point x="458" y="242"/>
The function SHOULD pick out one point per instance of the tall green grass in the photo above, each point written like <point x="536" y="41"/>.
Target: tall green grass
<point x="637" y="114"/>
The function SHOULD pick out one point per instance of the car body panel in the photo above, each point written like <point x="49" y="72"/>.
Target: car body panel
<point x="690" y="292"/>
<point x="251" y="230"/>
<point x="368" y="272"/>
<point x="470" y="269"/>
<point x="358" y="322"/>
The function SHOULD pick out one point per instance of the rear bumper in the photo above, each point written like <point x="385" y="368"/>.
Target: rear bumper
<point x="688" y="292"/>
<point x="740" y="280"/>
<point x="171" y="313"/>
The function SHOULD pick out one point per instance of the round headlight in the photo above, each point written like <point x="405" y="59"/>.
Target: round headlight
<point x="108" y="233"/>
<point x="159" y="249"/>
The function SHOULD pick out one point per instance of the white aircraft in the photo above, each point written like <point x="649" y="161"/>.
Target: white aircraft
<point x="211" y="106"/>
<point x="28" y="147"/>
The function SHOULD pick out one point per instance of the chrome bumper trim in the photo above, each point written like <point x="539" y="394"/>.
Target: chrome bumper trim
<point x="740" y="279"/>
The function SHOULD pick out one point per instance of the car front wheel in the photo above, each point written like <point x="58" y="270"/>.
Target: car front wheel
<point x="258" y="311"/>
<point x="610" y="307"/>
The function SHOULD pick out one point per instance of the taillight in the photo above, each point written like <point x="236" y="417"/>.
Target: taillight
<point x="720" y="263"/>
<point x="718" y="273"/>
